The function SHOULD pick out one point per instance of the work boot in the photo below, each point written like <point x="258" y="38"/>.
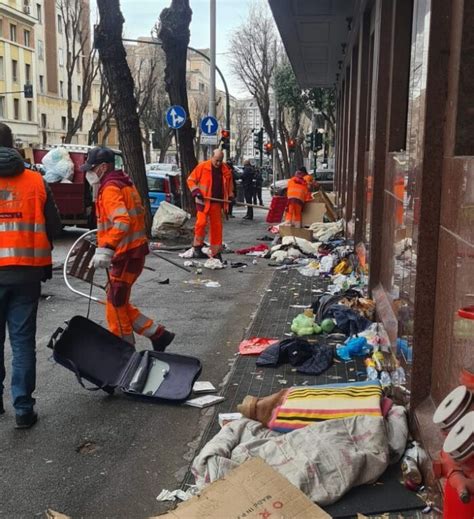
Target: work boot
<point x="25" y="421"/>
<point x="197" y="253"/>
<point x="162" y="339"/>
<point x="219" y="257"/>
<point x="2" y="409"/>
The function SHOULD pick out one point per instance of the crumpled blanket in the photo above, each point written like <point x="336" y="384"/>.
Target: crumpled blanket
<point x="324" y="460"/>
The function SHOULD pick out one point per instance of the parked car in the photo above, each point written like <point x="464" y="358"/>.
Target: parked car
<point x="163" y="186"/>
<point x="74" y="199"/>
<point x="325" y="179"/>
<point x="161" y="166"/>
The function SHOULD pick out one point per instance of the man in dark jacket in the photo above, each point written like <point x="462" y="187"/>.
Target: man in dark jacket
<point x="248" y="185"/>
<point x="29" y="220"/>
<point x="258" y="187"/>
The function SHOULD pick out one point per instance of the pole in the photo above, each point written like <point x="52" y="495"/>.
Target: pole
<point x="212" y="52"/>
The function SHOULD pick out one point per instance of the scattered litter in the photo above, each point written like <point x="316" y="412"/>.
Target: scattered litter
<point x="255" y="345"/>
<point x="203" y="387"/>
<point x="213" y="264"/>
<point x="187" y="254"/>
<point x="225" y="418"/>
<point x="164" y="282"/>
<point x="212" y="284"/>
<point x="204" y="401"/>
<point x="283" y="381"/>
<point x="238" y="264"/>
<point x="298" y="306"/>
<point x="168" y="495"/>
<point x="87" y="447"/>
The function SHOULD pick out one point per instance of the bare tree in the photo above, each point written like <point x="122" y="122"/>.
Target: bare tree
<point x="174" y="35"/>
<point x="101" y="122"/>
<point x="121" y="92"/>
<point x="78" y="52"/>
<point x="242" y="134"/>
<point x="254" y="47"/>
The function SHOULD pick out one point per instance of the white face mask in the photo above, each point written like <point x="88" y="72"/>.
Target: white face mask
<point x="92" y="178"/>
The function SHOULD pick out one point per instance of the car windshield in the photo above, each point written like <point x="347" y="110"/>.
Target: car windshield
<point x="156" y="184"/>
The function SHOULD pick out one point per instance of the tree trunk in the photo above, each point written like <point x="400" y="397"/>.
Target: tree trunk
<point x="174" y="35"/>
<point x="119" y="79"/>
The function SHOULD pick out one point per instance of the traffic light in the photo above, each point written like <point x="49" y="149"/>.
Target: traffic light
<point x="318" y="141"/>
<point x="28" y="91"/>
<point x="291" y="145"/>
<point x="268" y="148"/>
<point x="258" y="140"/>
<point x="309" y="140"/>
<point x="225" y="139"/>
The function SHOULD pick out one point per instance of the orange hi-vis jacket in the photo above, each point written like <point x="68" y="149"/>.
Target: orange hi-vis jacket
<point x="120" y="217"/>
<point x="23" y="241"/>
<point x="200" y="179"/>
<point x="298" y="190"/>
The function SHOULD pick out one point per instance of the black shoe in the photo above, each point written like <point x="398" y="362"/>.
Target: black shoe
<point x="219" y="257"/>
<point x="197" y="253"/>
<point x="163" y="341"/>
<point x="25" y="421"/>
<point x="2" y="409"/>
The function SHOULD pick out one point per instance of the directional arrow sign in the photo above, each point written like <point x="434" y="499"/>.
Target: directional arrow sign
<point x="175" y="117"/>
<point x="209" y="125"/>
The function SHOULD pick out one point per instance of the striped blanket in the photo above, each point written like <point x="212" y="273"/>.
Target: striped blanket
<point x="304" y="405"/>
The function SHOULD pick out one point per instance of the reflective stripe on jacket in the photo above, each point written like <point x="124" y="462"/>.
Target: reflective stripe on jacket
<point x="201" y="179"/>
<point x="23" y="238"/>
<point x="298" y="190"/>
<point x="120" y="219"/>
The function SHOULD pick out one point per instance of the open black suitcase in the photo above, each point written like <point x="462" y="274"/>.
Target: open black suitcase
<point x="94" y="354"/>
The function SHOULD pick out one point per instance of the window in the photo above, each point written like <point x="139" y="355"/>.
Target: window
<point x="43" y="120"/>
<point x="2" y="73"/>
<point x="79" y="64"/>
<point x="16" y="109"/>
<point x="27" y="73"/>
<point x="61" y="57"/>
<point x="201" y="87"/>
<point x="1" y="27"/>
<point x="14" y="70"/>
<point x="41" y="84"/>
<point x="12" y="32"/>
<point x="60" y="24"/>
<point x="29" y="109"/>
<point x="3" y="115"/>
<point x="40" y="50"/>
<point x="61" y="88"/>
<point x="26" y="38"/>
<point x="63" y="123"/>
<point x="79" y="93"/>
<point x="39" y="13"/>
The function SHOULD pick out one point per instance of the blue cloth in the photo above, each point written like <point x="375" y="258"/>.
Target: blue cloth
<point x="354" y="347"/>
<point x="18" y="309"/>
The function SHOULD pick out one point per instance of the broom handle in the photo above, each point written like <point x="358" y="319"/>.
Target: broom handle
<point x="237" y="203"/>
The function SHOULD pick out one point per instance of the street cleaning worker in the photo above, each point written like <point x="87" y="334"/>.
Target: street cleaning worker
<point x="210" y="179"/>
<point x="29" y="220"/>
<point x="312" y="184"/>
<point x="297" y="193"/>
<point x="122" y="245"/>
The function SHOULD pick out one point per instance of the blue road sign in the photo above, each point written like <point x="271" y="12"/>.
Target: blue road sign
<point x="175" y="116"/>
<point x="209" y="125"/>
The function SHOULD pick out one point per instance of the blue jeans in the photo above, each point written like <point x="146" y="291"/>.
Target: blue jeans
<point x="18" y="308"/>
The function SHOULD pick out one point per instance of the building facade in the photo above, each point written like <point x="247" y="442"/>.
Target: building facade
<point x="17" y="69"/>
<point x="403" y="70"/>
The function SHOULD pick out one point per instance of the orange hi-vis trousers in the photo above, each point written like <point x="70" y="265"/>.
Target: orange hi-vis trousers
<point x="293" y="214"/>
<point x="122" y="317"/>
<point x="214" y="218"/>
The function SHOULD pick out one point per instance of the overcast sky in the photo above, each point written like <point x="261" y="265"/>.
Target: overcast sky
<point x="140" y="16"/>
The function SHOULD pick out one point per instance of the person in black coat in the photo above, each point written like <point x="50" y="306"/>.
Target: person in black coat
<point x="248" y="185"/>
<point x="258" y="187"/>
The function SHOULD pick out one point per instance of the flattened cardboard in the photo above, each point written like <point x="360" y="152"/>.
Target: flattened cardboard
<point x="313" y="211"/>
<point x="287" y="230"/>
<point x="251" y="491"/>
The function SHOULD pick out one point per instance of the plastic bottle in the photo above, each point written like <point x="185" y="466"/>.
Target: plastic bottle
<point x="372" y="373"/>
<point x="385" y="379"/>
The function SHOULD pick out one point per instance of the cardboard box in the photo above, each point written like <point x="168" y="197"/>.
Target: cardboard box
<point x="287" y="230"/>
<point x="313" y="211"/>
<point x="252" y="491"/>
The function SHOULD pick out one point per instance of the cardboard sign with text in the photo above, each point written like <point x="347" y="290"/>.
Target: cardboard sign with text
<point x="252" y="491"/>
<point x="287" y="230"/>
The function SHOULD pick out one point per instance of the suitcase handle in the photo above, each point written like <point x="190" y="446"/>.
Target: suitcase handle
<point x="79" y="378"/>
<point x="52" y="341"/>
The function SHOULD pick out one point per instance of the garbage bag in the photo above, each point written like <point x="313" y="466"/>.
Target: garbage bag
<point x="58" y="165"/>
<point x="302" y="325"/>
<point x="168" y="221"/>
<point x="355" y="347"/>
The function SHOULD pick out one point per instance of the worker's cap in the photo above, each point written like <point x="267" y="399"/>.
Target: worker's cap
<point x="98" y="155"/>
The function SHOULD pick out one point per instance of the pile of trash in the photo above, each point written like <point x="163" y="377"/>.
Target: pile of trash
<point x="57" y="166"/>
<point x="172" y="223"/>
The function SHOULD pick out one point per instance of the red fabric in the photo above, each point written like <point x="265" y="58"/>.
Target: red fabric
<point x="255" y="345"/>
<point x="256" y="248"/>
<point x="277" y="208"/>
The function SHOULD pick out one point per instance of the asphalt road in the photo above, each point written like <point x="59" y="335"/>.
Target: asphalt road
<point x="95" y="456"/>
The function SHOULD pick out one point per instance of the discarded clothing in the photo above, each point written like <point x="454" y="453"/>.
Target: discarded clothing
<point x="324" y="460"/>
<point x="256" y="248"/>
<point x="347" y="320"/>
<point x="311" y="359"/>
<point x="322" y="304"/>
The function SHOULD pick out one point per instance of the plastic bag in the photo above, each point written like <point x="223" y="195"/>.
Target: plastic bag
<point x="168" y="219"/>
<point x="58" y="165"/>
<point x="355" y="347"/>
<point x="303" y="325"/>
<point x="255" y="345"/>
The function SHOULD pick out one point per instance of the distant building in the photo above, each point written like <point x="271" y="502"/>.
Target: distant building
<point x="18" y="68"/>
<point x="252" y="120"/>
